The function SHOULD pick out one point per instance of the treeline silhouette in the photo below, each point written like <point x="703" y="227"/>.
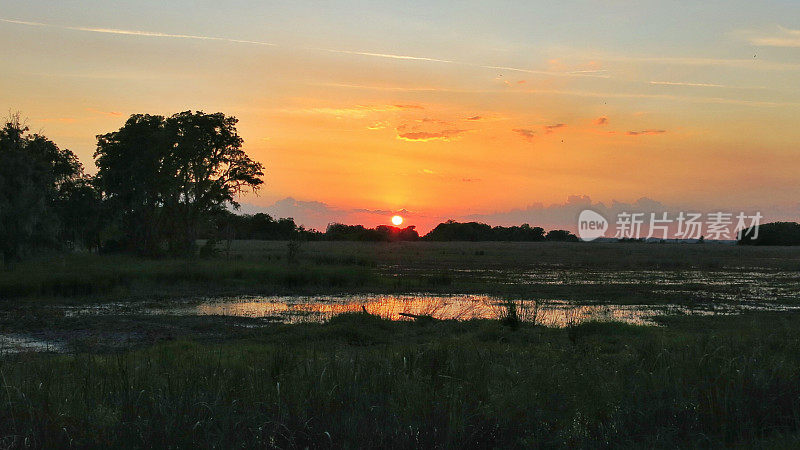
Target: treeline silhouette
<point x="229" y="226"/>
<point x="476" y="231"/>
<point x="776" y="233"/>
<point x="159" y="179"/>
<point x="163" y="182"/>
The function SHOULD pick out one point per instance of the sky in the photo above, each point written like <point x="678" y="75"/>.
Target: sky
<point x="500" y="111"/>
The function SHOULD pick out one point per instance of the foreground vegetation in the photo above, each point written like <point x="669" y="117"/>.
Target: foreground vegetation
<point x="501" y="268"/>
<point x="363" y="381"/>
<point x="149" y="380"/>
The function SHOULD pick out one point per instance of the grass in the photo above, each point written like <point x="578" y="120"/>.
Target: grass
<point x="535" y="270"/>
<point x="92" y="275"/>
<point x="139" y="380"/>
<point x="363" y="381"/>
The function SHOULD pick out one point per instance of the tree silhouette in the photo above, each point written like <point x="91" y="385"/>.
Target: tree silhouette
<point x="163" y="175"/>
<point x="34" y="174"/>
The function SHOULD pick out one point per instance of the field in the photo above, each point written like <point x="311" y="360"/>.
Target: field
<point x="121" y="368"/>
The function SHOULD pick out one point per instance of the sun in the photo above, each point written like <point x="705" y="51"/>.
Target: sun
<point x="397" y="220"/>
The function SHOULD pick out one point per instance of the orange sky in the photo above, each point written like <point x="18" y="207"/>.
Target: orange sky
<point x="435" y="111"/>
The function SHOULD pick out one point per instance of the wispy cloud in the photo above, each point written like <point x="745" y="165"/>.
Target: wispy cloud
<point x="680" y="83"/>
<point x="382" y="55"/>
<point x="104" y="113"/>
<point x="551" y="128"/>
<point x="785" y="37"/>
<point x="137" y="32"/>
<point x="321" y="49"/>
<point x="405" y="134"/>
<point x="601" y="121"/>
<point x="378" y="125"/>
<point x="645" y="132"/>
<point x="355" y="112"/>
<point x="526" y="133"/>
<point x="742" y="63"/>
<point x="574" y="93"/>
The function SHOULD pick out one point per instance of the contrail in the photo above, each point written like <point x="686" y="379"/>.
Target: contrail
<point x="383" y="55"/>
<point x="137" y="32"/>
<point x="679" y="83"/>
<point x="329" y="50"/>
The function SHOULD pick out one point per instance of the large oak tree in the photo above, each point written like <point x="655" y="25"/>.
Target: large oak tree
<point x="164" y="175"/>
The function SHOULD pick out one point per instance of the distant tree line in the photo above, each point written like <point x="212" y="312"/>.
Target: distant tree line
<point x="476" y="231"/>
<point x="163" y="182"/>
<point x="776" y="233"/>
<point x="262" y="226"/>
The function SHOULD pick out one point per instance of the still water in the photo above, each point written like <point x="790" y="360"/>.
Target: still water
<point x="554" y="313"/>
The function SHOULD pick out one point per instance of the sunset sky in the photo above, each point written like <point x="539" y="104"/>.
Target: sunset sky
<point x="461" y="109"/>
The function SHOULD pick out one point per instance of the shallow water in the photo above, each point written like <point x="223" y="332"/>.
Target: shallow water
<point x="706" y="285"/>
<point x="11" y="343"/>
<point x="554" y="313"/>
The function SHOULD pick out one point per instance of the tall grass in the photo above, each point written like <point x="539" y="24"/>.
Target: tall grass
<point x="81" y="275"/>
<point x="363" y="381"/>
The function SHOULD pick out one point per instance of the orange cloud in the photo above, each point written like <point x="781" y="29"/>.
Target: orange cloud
<point x="424" y="136"/>
<point x="603" y="120"/>
<point x="551" y="128"/>
<point x="527" y="133"/>
<point x="637" y="133"/>
<point x="378" y="125"/>
<point x="105" y="113"/>
<point x="474" y="118"/>
<point x="355" y="112"/>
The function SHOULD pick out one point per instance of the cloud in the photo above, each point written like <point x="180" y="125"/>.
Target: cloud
<point x="59" y="119"/>
<point x="638" y="133"/>
<point x="679" y="83"/>
<point x="136" y="32"/>
<point x="578" y="93"/>
<point x="474" y="118"/>
<point x="424" y="136"/>
<point x="428" y="129"/>
<point x="355" y="112"/>
<point x="744" y="63"/>
<point x="527" y="133"/>
<point x="564" y="215"/>
<point x="786" y="37"/>
<point x="157" y="34"/>
<point x="105" y="113"/>
<point x="603" y="120"/>
<point x="318" y="215"/>
<point x="551" y="128"/>
<point x="378" y="125"/>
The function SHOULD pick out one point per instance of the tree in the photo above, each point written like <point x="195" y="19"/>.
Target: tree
<point x="163" y="175"/>
<point x="775" y="233"/>
<point x="561" y="236"/>
<point x="81" y="212"/>
<point x="34" y="174"/>
<point x="209" y="167"/>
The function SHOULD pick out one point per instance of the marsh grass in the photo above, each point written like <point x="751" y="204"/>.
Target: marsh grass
<point x="513" y="270"/>
<point x="363" y="381"/>
<point x="86" y="275"/>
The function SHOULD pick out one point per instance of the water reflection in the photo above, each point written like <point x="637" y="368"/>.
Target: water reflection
<point x="554" y="313"/>
<point x="10" y="343"/>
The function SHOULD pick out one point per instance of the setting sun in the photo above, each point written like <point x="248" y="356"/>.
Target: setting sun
<point x="397" y="220"/>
